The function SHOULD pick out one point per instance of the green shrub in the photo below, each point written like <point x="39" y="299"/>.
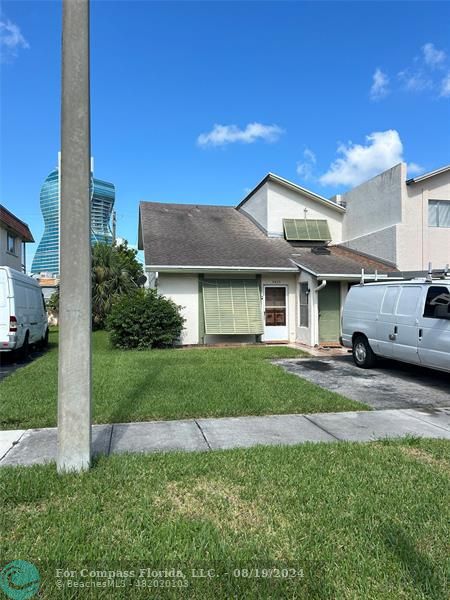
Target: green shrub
<point x="143" y="319"/>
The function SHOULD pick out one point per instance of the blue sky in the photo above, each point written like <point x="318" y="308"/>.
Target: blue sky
<point x="196" y="102"/>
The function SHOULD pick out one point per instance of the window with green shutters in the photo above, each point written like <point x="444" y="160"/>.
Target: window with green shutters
<point x="299" y="230"/>
<point x="232" y="306"/>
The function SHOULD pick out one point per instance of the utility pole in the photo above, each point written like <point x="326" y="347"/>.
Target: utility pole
<point x="74" y="376"/>
<point x="114" y="225"/>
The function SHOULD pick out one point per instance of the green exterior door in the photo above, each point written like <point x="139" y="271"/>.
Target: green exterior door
<point x="330" y="312"/>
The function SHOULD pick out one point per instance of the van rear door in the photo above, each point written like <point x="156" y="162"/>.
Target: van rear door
<point x="406" y="328"/>
<point x="434" y="329"/>
<point x="4" y="308"/>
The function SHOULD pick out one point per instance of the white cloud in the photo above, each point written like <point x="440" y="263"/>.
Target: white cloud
<point x="432" y="56"/>
<point x="445" y="86"/>
<point x="414" y="168"/>
<point x="11" y="40"/>
<point x="415" y="81"/>
<point x="360" y="162"/>
<point x="380" y="85"/>
<point x="220" y="135"/>
<point x="421" y="75"/>
<point x="305" y="168"/>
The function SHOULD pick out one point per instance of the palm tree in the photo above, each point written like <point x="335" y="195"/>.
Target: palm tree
<point x="109" y="279"/>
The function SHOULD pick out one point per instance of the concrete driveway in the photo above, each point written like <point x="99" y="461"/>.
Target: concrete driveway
<point x="390" y="385"/>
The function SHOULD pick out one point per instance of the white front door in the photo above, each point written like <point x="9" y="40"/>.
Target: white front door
<point x="275" y="313"/>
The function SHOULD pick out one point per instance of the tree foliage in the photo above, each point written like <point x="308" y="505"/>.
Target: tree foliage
<point x="115" y="272"/>
<point x="143" y="319"/>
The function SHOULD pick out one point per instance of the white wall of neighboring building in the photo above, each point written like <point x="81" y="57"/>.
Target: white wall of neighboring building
<point x="183" y="290"/>
<point x="418" y="243"/>
<point x="373" y="210"/>
<point x="284" y="203"/>
<point x="388" y="219"/>
<point x="7" y="259"/>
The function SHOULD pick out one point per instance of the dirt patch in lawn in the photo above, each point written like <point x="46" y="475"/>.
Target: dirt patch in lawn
<point x="217" y="501"/>
<point x="426" y="458"/>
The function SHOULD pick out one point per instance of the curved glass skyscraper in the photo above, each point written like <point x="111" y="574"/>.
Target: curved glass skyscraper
<point x="103" y="195"/>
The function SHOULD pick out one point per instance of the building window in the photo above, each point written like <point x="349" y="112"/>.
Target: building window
<point x="439" y="213"/>
<point x="304" y="305"/>
<point x="11" y="243"/>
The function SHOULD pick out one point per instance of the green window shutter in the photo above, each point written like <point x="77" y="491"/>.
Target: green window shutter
<point x="313" y="230"/>
<point x="232" y="306"/>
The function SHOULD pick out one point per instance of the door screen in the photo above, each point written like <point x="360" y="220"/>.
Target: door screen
<point x="275" y="306"/>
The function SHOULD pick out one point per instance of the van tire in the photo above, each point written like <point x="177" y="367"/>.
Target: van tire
<point x="44" y="341"/>
<point x="363" y="354"/>
<point x="25" y="349"/>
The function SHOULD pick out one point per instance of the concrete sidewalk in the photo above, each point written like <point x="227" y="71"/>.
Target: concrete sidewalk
<point x="38" y="446"/>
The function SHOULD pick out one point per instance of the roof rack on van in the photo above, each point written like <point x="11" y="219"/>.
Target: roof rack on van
<point x="430" y="275"/>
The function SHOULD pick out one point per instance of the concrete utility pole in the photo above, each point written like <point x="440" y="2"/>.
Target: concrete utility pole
<point x="114" y="224"/>
<point x="74" y="377"/>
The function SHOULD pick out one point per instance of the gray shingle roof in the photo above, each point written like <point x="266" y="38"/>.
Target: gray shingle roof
<point x="207" y="236"/>
<point x="339" y="261"/>
<point x="188" y="235"/>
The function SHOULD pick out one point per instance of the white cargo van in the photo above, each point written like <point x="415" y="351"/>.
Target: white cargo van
<point x="23" y="318"/>
<point x="407" y="321"/>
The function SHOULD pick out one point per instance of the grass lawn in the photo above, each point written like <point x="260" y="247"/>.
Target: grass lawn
<point x="363" y="521"/>
<point x="168" y="384"/>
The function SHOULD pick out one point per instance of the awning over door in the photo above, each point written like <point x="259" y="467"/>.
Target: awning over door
<point x="232" y="306"/>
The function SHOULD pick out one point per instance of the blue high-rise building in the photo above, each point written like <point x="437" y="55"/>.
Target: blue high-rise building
<point x="103" y="195"/>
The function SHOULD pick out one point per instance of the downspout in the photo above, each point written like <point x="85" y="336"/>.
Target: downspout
<point x="316" y="324"/>
<point x="321" y="286"/>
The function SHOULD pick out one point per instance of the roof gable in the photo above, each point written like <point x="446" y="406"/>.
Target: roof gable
<point x="295" y="188"/>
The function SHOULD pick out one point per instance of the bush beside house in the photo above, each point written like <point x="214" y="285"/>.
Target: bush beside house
<point x="143" y="319"/>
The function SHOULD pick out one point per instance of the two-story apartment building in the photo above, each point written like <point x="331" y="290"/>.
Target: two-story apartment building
<point x="268" y="269"/>
<point x="404" y="221"/>
<point x="14" y="235"/>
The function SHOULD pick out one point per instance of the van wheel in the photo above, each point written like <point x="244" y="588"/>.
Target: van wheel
<point x="362" y="353"/>
<point x="44" y="341"/>
<point x="25" y="350"/>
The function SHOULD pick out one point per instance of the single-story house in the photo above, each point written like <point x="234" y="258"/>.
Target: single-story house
<point x="267" y="270"/>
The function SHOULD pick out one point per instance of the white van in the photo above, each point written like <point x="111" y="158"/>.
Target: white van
<point x="407" y="321"/>
<point x="23" y="318"/>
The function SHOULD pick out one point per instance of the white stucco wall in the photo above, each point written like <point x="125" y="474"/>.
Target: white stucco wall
<point x="380" y="244"/>
<point x="374" y="205"/>
<point x="288" y="204"/>
<point x="256" y="207"/>
<point x="389" y="219"/>
<point x="374" y="209"/>
<point x="418" y="243"/>
<point x="183" y="290"/>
